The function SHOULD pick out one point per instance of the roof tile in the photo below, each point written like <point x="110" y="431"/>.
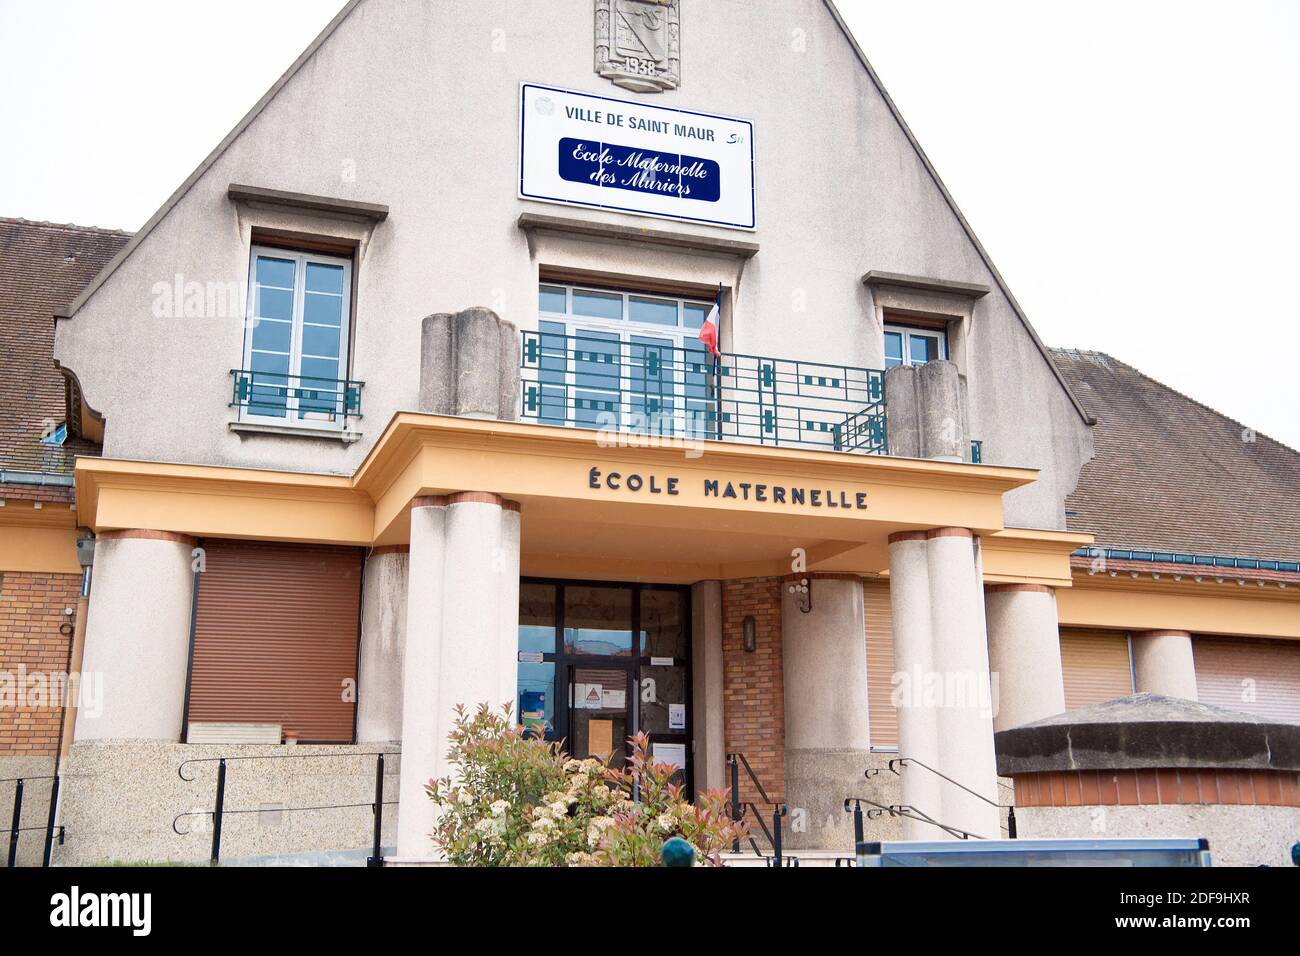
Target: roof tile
<point x="1171" y="474"/>
<point x="43" y="266"/>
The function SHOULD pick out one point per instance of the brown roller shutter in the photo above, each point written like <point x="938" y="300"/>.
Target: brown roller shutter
<point x="1255" y="676"/>
<point x="275" y="637"/>
<point x="880" y="664"/>
<point x="1095" y="665"/>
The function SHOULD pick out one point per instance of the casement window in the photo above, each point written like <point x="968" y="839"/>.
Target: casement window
<point x="611" y="357"/>
<point x="295" y="365"/>
<point x="906" y="345"/>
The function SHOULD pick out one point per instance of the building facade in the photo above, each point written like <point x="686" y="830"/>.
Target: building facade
<point x="403" y="404"/>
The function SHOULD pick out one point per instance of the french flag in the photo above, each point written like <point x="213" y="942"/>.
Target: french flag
<point x="709" y="330"/>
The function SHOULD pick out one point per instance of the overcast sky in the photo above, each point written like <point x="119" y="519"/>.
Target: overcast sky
<point x="1132" y="167"/>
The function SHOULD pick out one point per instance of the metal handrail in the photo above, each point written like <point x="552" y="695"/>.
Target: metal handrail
<point x="277" y="394"/>
<point x="738" y="808"/>
<point x="50" y="829"/>
<point x="185" y="763"/>
<point x="904" y="761"/>
<point x="749" y="771"/>
<point x="219" y="811"/>
<point x="746" y="805"/>
<point x="904" y="810"/>
<point x="600" y="380"/>
<point x="1010" y="808"/>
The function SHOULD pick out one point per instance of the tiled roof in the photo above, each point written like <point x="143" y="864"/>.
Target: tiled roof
<point x="43" y="266"/>
<point x="1173" y="475"/>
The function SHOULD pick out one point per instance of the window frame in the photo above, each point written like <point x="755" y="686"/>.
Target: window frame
<point x="907" y="331"/>
<point x="597" y="324"/>
<point x="625" y="331"/>
<point x="301" y="258"/>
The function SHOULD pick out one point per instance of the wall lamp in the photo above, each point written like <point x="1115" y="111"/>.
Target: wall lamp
<point x="750" y="631"/>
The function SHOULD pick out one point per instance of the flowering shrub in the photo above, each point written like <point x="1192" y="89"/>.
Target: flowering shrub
<point x="516" y="800"/>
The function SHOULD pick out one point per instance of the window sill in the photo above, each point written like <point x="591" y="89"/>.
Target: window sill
<point x="287" y="431"/>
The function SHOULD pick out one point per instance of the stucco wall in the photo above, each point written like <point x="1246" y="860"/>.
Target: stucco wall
<point x="414" y="104"/>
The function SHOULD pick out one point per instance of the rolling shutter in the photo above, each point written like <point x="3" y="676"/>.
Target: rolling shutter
<point x="1095" y="665"/>
<point x="880" y="664"/>
<point x="1258" y="677"/>
<point x="276" y="636"/>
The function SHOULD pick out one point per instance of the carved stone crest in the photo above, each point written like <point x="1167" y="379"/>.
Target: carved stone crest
<point x="638" y="43"/>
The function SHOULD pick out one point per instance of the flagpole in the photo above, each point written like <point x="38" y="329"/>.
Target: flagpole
<point x="717" y="364"/>
<point x="717" y="386"/>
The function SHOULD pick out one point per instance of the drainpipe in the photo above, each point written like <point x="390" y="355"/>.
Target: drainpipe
<point x="86" y="557"/>
<point x="72" y="690"/>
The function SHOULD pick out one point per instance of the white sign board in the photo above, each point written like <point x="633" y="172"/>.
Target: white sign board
<point x="676" y="716"/>
<point x="587" y="150"/>
<point x="672" y="754"/>
<point x="613" y="699"/>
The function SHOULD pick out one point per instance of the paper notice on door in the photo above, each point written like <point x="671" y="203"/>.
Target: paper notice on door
<point x="600" y="738"/>
<point x="676" y="716"/>
<point x="611" y="699"/>
<point x="672" y="754"/>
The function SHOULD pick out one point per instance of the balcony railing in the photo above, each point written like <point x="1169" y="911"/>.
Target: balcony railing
<point x="300" y="400"/>
<point x="666" y="391"/>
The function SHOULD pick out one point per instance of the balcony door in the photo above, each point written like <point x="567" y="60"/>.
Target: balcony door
<point x="625" y="361"/>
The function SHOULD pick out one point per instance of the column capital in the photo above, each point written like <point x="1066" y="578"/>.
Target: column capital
<point x="482" y="497"/>
<point x="949" y="533"/>
<point x="1019" y="589"/>
<point x="465" y="497"/>
<point x="1162" y="632"/>
<point x="429" y="501"/>
<point x="931" y="534"/>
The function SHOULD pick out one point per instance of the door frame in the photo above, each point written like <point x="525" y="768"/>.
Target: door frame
<point x="633" y="664"/>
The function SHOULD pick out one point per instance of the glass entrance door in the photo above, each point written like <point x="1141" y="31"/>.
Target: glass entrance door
<point x="599" y="662"/>
<point x="599" y="712"/>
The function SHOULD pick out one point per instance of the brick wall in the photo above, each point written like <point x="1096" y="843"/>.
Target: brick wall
<point x="31" y="610"/>
<point x="754" y="694"/>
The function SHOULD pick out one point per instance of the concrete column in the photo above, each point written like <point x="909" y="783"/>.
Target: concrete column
<point x="469" y="365"/>
<point x="1024" y="653"/>
<point x="825" y="659"/>
<point x="918" y="721"/>
<point x="422" y="748"/>
<point x="137" y="637"/>
<point x="927" y="412"/>
<point x="472" y="669"/>
<point x="1163" y="664"/>
<point x="826" y="715"/>
<point x="505" y="565"/>
<point x="383" y="636"/>
<point x="965" y="718"/>
<point x="462" y="623"/>
<point x="707" y="686"/>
